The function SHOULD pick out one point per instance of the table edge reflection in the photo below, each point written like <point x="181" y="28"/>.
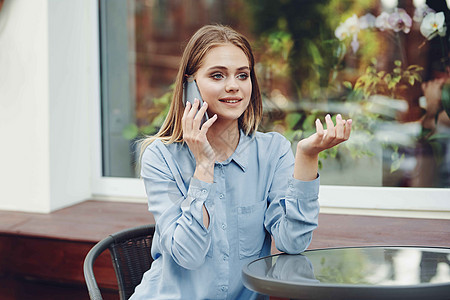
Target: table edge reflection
<point x="280" y="288"/>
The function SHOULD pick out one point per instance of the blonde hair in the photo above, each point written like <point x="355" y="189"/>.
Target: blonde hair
<point x="201" y="42"/>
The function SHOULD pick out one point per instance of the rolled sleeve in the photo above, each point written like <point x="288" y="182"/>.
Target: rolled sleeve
<point x="302" y="197"/>
<point x="293" y="230"/>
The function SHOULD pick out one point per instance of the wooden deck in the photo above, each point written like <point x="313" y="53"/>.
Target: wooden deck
<point x="41" y="255"/>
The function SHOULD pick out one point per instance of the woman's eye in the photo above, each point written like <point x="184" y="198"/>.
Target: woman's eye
<point x="217" y="76"/>
<point x="243" y="76"/>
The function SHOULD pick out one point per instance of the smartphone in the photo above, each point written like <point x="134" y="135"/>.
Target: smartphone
<point x="190" y="92"/>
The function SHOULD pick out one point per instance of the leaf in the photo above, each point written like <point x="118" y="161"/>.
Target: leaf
<point x="415" y="68"/>
<point x="292" y="119"/>
<point x="158" y="120"/>
<point x="381" y="74"/>
<point x="411" y="80"/>
<point x="315" y="53"/>
<point x="398" y="63"/>
<point x="341" y="50"/>
<point x="397" y="163"/>
<point x="130" y="132"/>
<point x="417" y="77"/>
<point x="438" y="136"/>
<point x="397" y="79"/>
<point x="347" y="84"/>
<point x="391" y="85"/>
<point x="370" y="69"/>
<point x="309" y="122"/>
<point x="149" y="129"/>
<point x="333" y="151"/>
<point x="359" y="83"/>
<point x="320" y="164"/>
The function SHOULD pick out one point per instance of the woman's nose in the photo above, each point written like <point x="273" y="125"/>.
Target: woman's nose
<point x="231" y="85"/>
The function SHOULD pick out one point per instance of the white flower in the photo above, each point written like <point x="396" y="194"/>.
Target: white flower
<point x="355" y="43"/>
<point x="382" y="21"/>
<point x="349" y="28"/>
<point x="432" y="25"/>
<point x="400" y="21"/>
<point x="341" y="32"/>
<point x="421" y="12"/>
<point x="367" y="21"/>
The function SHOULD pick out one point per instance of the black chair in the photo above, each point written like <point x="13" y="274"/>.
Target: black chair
<point x="130" y="253"/>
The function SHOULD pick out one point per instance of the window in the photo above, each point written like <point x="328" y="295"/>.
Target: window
<point x="364" y="59"/>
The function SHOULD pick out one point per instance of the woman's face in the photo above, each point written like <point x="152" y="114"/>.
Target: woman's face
<point x="224" y="81"/>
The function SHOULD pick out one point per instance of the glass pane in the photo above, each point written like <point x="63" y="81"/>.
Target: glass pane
<point x="364" y="59"/>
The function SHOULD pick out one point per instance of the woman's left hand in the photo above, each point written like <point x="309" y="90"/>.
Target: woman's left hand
<point x="308" y="149"/>
<point x="326" y="138"/>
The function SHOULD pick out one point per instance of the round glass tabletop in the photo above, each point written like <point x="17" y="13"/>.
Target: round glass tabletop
<point x="354" y="273"/>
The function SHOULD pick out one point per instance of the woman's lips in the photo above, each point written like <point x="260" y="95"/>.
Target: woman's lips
<point x="230" y="100"/>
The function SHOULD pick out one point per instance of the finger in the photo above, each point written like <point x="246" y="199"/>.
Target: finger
<point x="319" y="129"/>
<point x="208" y="124"/>
<point x="199" y="116"/>
<point x="331" y="134"/>
<point x="317" y="138"/>
<point x="185" y="113"/>
<point x="191" y="114"/>
<point x="340" y="126"/>
<point x="348" y="129"/>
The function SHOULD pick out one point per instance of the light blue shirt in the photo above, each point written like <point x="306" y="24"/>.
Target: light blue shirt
<point x="252" y="198"/>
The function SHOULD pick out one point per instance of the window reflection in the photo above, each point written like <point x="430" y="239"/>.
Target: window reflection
<point x="434" y="267"/>
<point x="365" y="59"/>
<point x="363" y="266"/>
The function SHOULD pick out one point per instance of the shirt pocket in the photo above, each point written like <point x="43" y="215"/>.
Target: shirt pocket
<point x="251" y="229"/>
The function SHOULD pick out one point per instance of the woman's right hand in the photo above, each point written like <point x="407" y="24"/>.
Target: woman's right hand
<point x="194" y="134"/>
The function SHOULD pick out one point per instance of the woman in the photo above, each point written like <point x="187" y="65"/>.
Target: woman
<point x="220" y="190"/>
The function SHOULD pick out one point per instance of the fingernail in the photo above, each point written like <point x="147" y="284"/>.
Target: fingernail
<point x="339" y="116"/>
<point x="328" y="116"/>
<point x="204" y="103"/>
<point x="349" y="121"/>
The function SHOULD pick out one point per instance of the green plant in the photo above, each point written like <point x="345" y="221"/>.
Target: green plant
<point x="391" y="84"/>
<point x="159" y="111"/>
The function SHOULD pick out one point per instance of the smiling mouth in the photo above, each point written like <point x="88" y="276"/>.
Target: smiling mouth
<point x="230" y="100"/>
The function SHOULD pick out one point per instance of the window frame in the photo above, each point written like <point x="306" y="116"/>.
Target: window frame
<point x="331" y="196"/>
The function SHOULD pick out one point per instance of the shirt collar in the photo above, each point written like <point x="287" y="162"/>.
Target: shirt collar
<point x="241" y="154"/>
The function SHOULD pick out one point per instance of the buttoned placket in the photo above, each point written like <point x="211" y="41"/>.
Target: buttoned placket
<point x="222" y="246"/>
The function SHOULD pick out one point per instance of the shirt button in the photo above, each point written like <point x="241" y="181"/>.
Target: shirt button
<point x="225" y="257"/>
<point x="224" y="288"/>
<point x="224" y="226"/>
<point x="221" y="196"/>
<point x="204" y="191"/>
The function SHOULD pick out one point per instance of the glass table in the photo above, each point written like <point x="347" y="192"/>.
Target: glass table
<point x="353" y="273"/>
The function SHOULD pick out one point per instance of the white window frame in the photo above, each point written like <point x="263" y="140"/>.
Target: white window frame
<point x="425" y="200"/>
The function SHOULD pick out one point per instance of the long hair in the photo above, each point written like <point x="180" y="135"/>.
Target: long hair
<point x="201" y="42"/>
